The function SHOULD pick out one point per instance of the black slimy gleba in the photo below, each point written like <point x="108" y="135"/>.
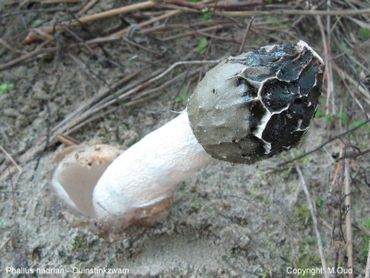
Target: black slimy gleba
<point x="258" y="104"/>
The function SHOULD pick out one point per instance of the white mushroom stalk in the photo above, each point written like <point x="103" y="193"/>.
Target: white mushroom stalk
<point x="139" y="186"/>
<point x="245" y="109"/>
<point x="142" y="180"/>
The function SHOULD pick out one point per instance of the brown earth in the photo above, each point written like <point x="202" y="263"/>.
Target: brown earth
<point x="227" y="220"/>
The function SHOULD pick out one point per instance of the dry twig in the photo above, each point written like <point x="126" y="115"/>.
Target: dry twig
<point x="32" y="36"/>
<point x="330" y="103"/>
<point x="38" y="51"/>
<point x="362" y="89"/>
<point x="346" y="12"/>
<point x="67" y="140"/>
<point x="87" y="7"/>
<point x="244" y="41"/>
<point x="6" y="240"/>
<point x="222" y="5"/>
<point x="348" y="219"/>
<point x="314" y="220"/>
<point x="59" y="1"/>
<point x="319" y="147"/>
<point x="336" y="206"/>
<point x="367" y="269"/>
<point x="177" y="36"/>
<point x="118" y="35"/>
<point x="19" y="168"/>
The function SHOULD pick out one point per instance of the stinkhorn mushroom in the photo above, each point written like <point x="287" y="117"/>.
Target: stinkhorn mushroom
<point x="247" y="108"/>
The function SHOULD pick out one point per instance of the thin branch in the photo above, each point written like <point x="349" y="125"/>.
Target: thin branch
<point x="244" y="41"/>
<point x="345" y="12"/>
<point x="88" y="6"/>
<point x="119" y="34"/>
<point x="314" y="220"/>
<point x="39" y="50"/>
<point x="323" y="144"/>
<point x="348" y="219"/>
<point x="67" y="140"/>
<point x="192" y="32"/>
<point x="147" y="49"/>
<point x="96" y="98"/>
<point x="32" y="36"/>
<point x="9" y="47"/>
<point x="19" y="168"/>
<point x="7" y="239"/>
<point x="354" y="154"/>
<point x="142" y="85"/>
<point x="357" y="101"/>
<point x="33" y="11"/>
<point x="362" y="89"/>
<point x="336" y="211"/>
<point x="367" y="270"/>
<point x="224" y="5"/>
<point x="59" y="1"/>
<point x="328" y="68"/>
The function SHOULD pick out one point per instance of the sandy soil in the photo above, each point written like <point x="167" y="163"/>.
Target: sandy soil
<point x="227" y="220"/>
